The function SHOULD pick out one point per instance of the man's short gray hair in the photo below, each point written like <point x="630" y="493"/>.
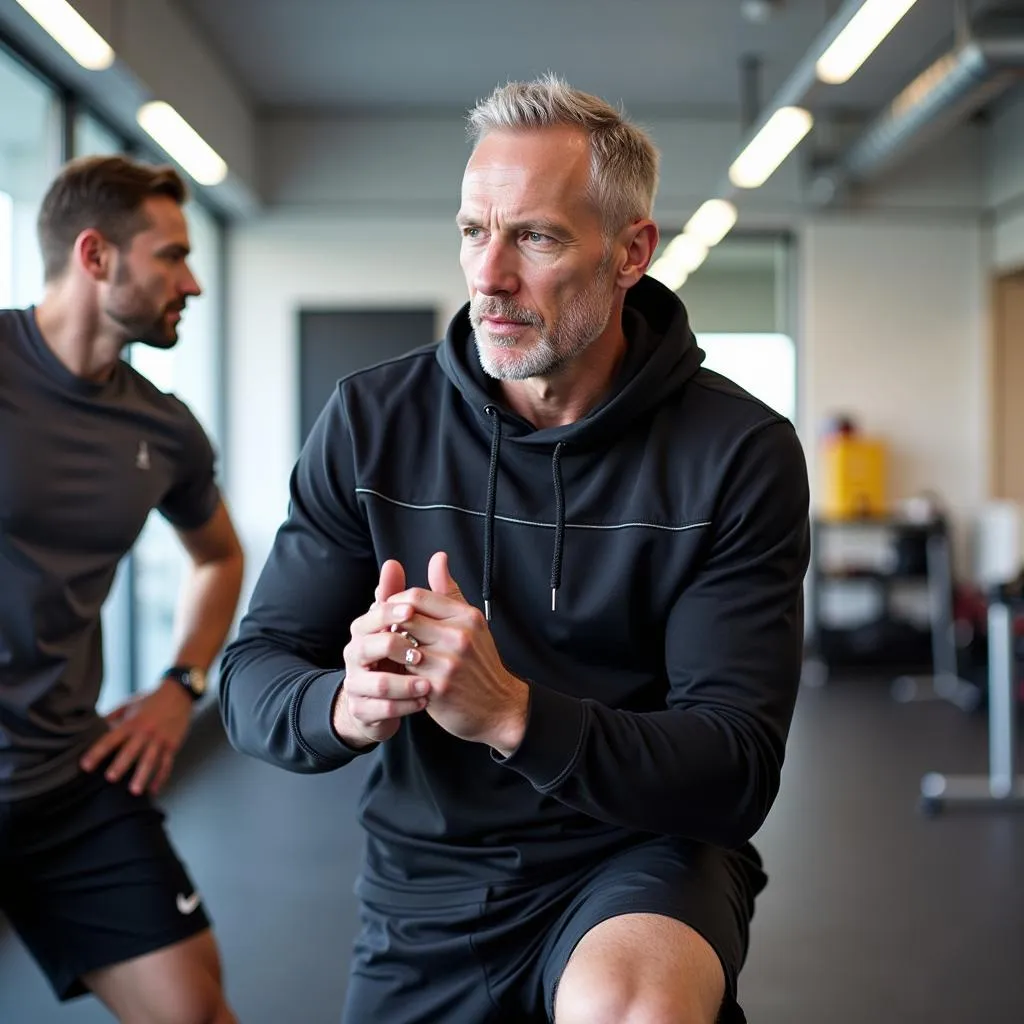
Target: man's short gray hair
<point x="623" y="160"/>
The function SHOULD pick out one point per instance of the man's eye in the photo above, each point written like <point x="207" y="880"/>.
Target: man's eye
<point x="536" y="237"/>
<point x="470" y="232"/>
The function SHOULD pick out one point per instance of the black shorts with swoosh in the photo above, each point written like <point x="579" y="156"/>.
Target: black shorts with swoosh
<point x="89" y="879"/>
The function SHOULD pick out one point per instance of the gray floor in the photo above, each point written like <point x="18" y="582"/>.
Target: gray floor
<point x="873" y="915"/>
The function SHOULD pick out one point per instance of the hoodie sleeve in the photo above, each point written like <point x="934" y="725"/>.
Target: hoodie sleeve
<point x="279" y="678"/>
<point x="708" y="766"/>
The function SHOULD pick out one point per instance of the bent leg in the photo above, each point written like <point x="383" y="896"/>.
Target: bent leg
<point x="657" y="933"/>
<point x="641" y="969"/>
<point x="177" y="985"/>
<point x="104" y="904"/>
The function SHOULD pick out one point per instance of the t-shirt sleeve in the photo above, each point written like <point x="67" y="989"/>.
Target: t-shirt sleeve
<point x="194" y="494"/>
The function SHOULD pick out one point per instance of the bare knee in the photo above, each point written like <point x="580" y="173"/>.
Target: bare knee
<point x="179" y="984"/>
<point x="600" y="999"/>
<point x="200" y="1005"/>
<point x="641" y="969"/>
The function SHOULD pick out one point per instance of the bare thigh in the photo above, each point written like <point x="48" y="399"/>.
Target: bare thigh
<point x="180" y="984"/>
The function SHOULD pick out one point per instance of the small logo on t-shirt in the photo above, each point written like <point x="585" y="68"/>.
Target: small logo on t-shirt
<point x="142" y="456"/>
<point x="188" y="904"/>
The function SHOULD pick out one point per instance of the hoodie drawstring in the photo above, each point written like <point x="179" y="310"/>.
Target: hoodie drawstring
<point x="556" y="558"/>
<point x="492" y="493"/>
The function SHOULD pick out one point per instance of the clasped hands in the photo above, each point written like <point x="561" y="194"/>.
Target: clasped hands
<point x="427" y="650"/>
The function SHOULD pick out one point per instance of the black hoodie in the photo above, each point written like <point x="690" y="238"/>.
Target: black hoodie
<point x="671" y="525"/>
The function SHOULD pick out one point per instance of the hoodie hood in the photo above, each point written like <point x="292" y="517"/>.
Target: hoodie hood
<point x="662" y="355"/>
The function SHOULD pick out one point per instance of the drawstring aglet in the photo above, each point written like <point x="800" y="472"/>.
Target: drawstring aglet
<point x="487" y="610"/>
<point x="554" y="595"/>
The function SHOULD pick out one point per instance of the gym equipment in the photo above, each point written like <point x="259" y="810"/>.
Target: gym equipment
<point x="1002" y="787"/>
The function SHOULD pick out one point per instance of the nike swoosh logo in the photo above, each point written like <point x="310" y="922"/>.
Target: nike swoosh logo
<point x="188" y="904"/>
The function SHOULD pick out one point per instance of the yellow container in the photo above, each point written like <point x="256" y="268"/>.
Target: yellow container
<point x="854" y="470"/>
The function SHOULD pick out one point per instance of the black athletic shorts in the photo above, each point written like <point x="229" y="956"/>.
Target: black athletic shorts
<point x="88" y="879"/>
<point x="495" y="955"/>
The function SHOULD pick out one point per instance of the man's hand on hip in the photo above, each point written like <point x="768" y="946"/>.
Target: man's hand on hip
<point x="146" y="732"/>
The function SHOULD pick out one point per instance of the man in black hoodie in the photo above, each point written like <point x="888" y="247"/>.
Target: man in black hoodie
<point x="569" y="561"/>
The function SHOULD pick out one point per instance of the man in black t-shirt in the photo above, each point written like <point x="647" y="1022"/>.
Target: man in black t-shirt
<point x="88" y="447"/>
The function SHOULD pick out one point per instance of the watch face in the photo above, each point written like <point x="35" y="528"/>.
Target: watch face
<point x="197" y="680"/>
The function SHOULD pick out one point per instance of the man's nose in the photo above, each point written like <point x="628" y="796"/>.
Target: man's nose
<point x="190" y="286"/>
<point x="496" y="270"/>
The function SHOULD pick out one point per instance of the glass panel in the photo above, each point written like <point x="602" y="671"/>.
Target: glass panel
<point x="6" y="250"/>
<point x="117" y="649"/>
<point x="763" y="364"/>
<point x="29" y="157"/>
<point x="741" y="287"/>
<point x="192" y="371"/>
<point x="92" y="137"/>
<point x="739" y="304"/>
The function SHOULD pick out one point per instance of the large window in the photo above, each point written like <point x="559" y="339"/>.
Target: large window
<point x="739" y="305"/>
<point x="762" y="363"/>
<point x="6" y="250"/>
<point x="30" y="152"/>
<point x="94" y="138"/>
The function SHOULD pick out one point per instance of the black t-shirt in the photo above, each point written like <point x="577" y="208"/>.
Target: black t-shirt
<point x="82" y="464"/>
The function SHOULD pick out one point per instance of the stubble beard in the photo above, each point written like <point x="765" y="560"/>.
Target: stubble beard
<point x="580" y="324"/>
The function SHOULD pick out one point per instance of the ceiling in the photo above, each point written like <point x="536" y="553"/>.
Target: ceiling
<point x="651" y="55"/>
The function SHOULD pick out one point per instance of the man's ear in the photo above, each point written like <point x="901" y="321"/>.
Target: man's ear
<point x="641" y="241"/>
<point x="93" y="254"/>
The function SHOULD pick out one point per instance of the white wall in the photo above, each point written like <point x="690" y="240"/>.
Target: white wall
<point x="894" y="331"/>
<point x="279" y="265"/>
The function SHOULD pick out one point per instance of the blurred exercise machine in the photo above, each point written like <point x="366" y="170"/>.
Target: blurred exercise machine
<point x="1002" y="787"/>
<point x="998" y="563"/>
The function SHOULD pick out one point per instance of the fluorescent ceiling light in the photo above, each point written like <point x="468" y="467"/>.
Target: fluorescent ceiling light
<point x="671" y="277"/>
<point x="858" y="40"/>
<point x="685" y="252"/>
<point x="72" y="31"/>
<point x="182" y="142"/>
<point x="682" y="256"/>
<point x="778" y="138"/>
<point x="712" y="222"/>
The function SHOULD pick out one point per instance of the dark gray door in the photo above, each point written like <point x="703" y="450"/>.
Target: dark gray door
<point x="333" y="343"/>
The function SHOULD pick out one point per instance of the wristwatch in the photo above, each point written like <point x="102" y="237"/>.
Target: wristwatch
<point x="192" y="678"/>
